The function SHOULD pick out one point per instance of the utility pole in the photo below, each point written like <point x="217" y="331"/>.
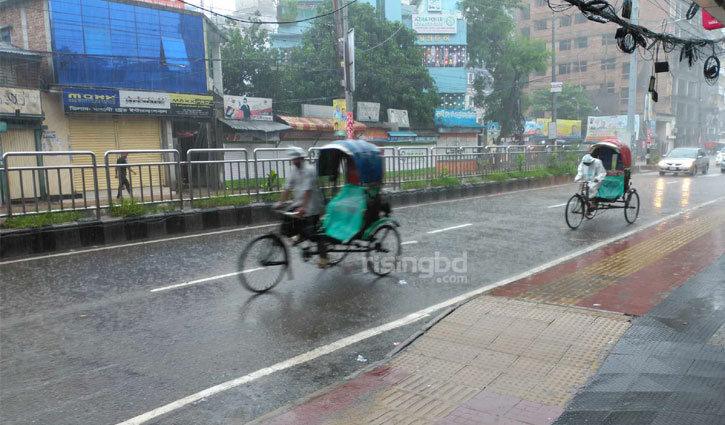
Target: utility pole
<point x="347" y="50"/>
<point x="341" y="30"/>
<point x="632" y="101"/>
<point x="553" y="66"/>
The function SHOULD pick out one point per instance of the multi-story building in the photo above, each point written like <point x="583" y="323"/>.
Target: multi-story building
<point x="587" y="55"/>
<point x="119" y="74"/>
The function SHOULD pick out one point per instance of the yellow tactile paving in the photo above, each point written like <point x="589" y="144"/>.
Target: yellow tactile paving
<point x="583" y="283"/>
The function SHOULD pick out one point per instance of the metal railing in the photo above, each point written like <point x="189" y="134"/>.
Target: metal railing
<point x="208" y="173"/>
<point x="158" y="174"/>
<point x="42" y="176"/>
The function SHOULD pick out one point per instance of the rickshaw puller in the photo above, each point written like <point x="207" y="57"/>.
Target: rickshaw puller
<point x="307" y="202"/>
<point x="593" y="172"/>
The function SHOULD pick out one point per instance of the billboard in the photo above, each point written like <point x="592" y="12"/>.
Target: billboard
<point x="247" y="108"/>
<point x="599" y="128"/>
<point x="339" y="115"/>
<point x="399" y="116"/>
<point x="26" y="102"/>
<point x="368" y="111"/>
<point x="455" y="118"/>
<point x="435" y="24"/>
<point x="107" y="101"/>
<point x="564" y="128"/>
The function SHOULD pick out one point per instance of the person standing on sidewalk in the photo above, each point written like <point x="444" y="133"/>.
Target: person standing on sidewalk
<point x="121" y="175"/>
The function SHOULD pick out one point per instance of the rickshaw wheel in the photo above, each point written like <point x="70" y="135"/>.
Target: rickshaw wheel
<point x="575" y="211"/>
<point x="263" y="263"/>
<point x="335" y="258"/>
<point x="631" y="207"/>
<point x="385" y="250"/>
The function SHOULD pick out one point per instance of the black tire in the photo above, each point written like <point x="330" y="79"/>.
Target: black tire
<point x="694" y="170"/>
<point x="631" y="207"/>
<point x="662" y="173"/>
<point x="706" y="169"/>
<point x="263" y="263"/>
<point x="575" y="211"/>
<point x="385" y="251"/>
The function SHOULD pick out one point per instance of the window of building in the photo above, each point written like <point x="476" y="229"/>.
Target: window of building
<point x="541" y="3"/>
<point x="540" y="73"/>
<point x="565" y="45"/>
<point x="579" y="66"/>
<point x="608" y="87"/>
<point x="608" y="40"/>
<point x="471" y="78"/>
<point x="540" y="24"/>
<point x="582" y="42"/>
<point x="608" y="63"/>
<point x="579" y="18"/>
<point x="624" y="95"/>
<point x="5" y="34"/>
<point x="526" y="32"/>
<point x="692" y="89"/>
<point x="444" y="56"/>
<point x="565" y="21"/>
<point x="525" y="12"/>
<point x="625" y="70"/>
<point x="564" y="68"/>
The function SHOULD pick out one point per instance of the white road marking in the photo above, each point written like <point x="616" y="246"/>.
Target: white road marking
<point x="713" y="175"/>
<point x="104" y="248"/>
<point x="557" y="205"/>
<point x="206" y="279"/>
<point x="411" y="318"/>
<point x="409" y="242"/>
<point x="449" y="228"/>
<point x="672" y="182"/>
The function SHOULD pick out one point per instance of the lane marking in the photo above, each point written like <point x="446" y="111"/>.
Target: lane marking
<point x="672" y="182"/>
<point x="411" y="318"/>
<point x="206" y="279"/>
<point x="450" y="228"/>
<point x="104" y="248"/>
<point x="409" y="242"/>
<point x="713" y="175"/>
<point x="557" y="205"/>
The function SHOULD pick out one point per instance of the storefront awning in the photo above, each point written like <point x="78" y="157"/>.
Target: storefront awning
<point x="263" y="126"/>
<point x="316" y="124"/>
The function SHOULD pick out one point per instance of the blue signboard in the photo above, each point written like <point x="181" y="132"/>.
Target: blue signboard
<point x="455" y="118"/>
<point x="90" y="100"/>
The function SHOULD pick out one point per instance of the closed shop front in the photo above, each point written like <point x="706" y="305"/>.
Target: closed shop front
<point x="100" y="134"/>
<point x="21" y="115"/>
<point x="21" y="140"/>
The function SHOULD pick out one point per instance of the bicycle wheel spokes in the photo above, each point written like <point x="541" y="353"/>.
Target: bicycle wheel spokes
<point x="575" y="211"/>
<point x="263" y="263"/>
<point x="631" y="207"/>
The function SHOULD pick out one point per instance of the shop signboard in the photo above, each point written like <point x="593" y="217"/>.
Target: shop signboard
<point x="368" y="111"/>
<point x="435" y="24"/>
<point x="399" y="117"/>
<point x="435" y="5"/>
<point x="126" y="102"/>
<point x="455" y="118"/>
<point x="19" y="101"/>
<point x="144" y="100"/>
<point x="248" y="108"/>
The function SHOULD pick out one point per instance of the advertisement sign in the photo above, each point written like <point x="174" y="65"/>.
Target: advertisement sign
<point x="191" y="105"/>
<point x="140" y="99"/>
<point x="710" y="23"/>
<point x="599" y="128"/>
<point x="435" y="24"/>
<point x="247" y="108"/>
<point x="455" y="118"/>
<point x="529" y="127"/>
<point x="122" y="102"/>
<point x="556" y="87"/>
<point x="25" y="101"/>
<point x="435" y="5"/>
<point x="398" y="116"/>
<point x="339" y="115"/>
<point x="368" y="111"/>
<point x="494" y="128"/>
<point x="568" y="128"/>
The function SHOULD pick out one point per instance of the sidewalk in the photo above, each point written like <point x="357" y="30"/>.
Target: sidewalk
<point x="630" y="334"/>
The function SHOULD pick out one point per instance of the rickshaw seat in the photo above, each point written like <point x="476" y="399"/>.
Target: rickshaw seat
<point x="615" y="172"/>
<point x="612" y="187"/>
<point x="344" y="214"/>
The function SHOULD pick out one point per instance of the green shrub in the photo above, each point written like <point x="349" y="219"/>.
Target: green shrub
<point x="222" y="201"/>
<point x="130" y="208"/>
<point x="414" y="185"/>
<point x="40" y="220"/>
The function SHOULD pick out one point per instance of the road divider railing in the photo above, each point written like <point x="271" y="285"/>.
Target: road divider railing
<point x="41" y="182"/>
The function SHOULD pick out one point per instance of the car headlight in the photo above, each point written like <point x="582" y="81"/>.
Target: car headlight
<point x="662" y="164"/>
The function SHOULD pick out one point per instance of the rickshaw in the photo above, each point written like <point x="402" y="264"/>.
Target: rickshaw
<point x="356" y="220"/>
<point x="616" y="191"/>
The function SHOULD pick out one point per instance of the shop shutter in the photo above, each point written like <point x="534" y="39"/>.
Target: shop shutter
<point x="142" y="133"/>
<point x="21" y="141"/>
<point x="96" y="134"/>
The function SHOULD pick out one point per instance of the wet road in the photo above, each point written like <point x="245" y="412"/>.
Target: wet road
<point x="84" y="340"/>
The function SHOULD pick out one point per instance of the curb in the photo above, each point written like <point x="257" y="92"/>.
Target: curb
<point x="16" y="243"/>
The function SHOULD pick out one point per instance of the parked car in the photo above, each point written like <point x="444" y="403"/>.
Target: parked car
<point x="720" y="156"/>
<point x="684" y="160"/>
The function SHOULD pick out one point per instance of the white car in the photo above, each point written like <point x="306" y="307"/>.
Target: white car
<point x="720" y="156"/>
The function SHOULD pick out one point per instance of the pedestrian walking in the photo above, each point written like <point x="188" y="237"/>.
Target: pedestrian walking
<point x="121" y="175"/>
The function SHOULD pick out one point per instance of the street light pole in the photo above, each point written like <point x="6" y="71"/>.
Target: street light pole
<point x="632" y="101"/>
<point x="553" y="66"/>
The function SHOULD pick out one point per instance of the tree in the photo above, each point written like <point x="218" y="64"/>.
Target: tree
<point x="249" y="65"/>
<point x="389" y="66"/>
<point x="572" y="103"/>
<point x="509" y="59"/>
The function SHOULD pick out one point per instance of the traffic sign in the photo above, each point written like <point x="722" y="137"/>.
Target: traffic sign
<point x="556" y="87"/>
